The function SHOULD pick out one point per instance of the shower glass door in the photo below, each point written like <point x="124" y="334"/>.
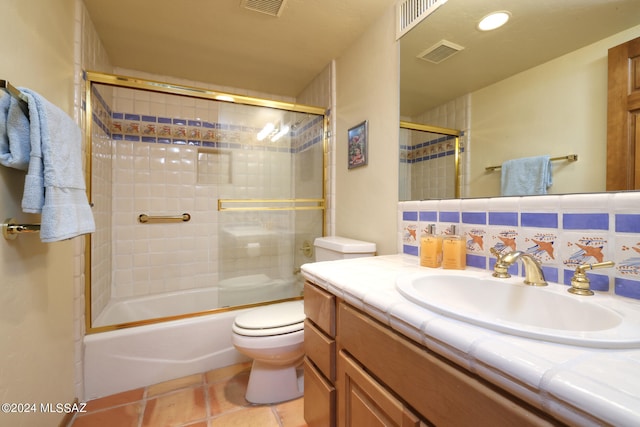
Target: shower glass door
<point x="199" y="204"/>
<point x="268" y="206"/>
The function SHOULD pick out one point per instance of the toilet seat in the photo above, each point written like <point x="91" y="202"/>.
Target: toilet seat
<point x="276" y="319"/>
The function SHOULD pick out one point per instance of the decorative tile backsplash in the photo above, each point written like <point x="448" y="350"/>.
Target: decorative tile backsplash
<point x="561" y="232"/>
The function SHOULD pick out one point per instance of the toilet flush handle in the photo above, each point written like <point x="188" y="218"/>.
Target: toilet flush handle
<point x="307" y="249"/>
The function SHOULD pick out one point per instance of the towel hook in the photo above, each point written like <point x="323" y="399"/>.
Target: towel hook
<point x="11" y="229"/>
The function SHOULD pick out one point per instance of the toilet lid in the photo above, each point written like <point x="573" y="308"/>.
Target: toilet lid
<point x="272" y="316"/>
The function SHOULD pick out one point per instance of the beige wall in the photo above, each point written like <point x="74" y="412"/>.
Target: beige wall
<point x="367" y="81"/>
<point x="557" y="108"/>
<point x="36" y="279"/>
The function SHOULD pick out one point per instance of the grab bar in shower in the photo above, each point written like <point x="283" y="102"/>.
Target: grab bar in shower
<point x="11" y="229"/>
<point x="148" y="219"/>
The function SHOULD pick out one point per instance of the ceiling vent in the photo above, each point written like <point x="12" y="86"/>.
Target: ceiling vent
<point x="440" y="51"/>
<point x="269" y="7"/>
<point x="411" y="12"/>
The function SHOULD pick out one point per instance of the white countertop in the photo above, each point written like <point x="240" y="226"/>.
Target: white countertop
<point x="578" y="385"/>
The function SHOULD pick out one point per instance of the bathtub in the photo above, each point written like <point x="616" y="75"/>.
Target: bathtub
<point x="139" y="356"/>
<point x="124" y="310"/>
<point x="126" y="359"/>
<point x="249" y="289"/>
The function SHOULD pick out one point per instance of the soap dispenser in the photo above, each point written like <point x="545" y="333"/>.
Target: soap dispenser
<point x="431" y="248"/>
<point x="454" y="251"/>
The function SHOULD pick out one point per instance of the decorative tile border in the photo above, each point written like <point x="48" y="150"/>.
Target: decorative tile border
<point x="561" y="232"/>
<point x="441" y="147"/>
<point x="180" y="131"/>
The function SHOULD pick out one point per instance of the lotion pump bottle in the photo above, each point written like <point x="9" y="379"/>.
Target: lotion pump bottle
<point x="431" y="248"/>
<point x="454" y="252"/>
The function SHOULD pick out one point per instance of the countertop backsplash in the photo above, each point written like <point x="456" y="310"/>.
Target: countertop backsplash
<point x="561" y="232"/>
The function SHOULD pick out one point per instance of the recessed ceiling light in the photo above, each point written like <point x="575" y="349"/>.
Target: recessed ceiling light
<point x="494" y="20"/>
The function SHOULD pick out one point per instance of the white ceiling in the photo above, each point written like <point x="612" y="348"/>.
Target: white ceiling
<point x="221" y="42"/>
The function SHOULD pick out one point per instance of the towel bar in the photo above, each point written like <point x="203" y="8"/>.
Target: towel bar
<point x="147" y="219"/>
<point x="11" y="229"/>
<point x="570" y="157"/>
<point x="15" y="92"/>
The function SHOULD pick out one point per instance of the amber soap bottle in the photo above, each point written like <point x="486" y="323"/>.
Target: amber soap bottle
<point x="454" y="252"/>
<point x="431" y="248"/>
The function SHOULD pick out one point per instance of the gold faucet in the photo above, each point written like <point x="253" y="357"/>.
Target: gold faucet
<point x="534" y="275"/>
<point x="580" y="281"/>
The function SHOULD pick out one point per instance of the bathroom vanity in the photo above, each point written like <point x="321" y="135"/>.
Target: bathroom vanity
<point x="375" y="358"/>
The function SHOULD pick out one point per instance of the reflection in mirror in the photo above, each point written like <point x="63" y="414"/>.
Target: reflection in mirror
<point x="429" y="162"/>
<point x="537" y="86"/>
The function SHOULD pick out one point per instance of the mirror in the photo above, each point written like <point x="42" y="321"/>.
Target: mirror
<point x="536" y="86"/>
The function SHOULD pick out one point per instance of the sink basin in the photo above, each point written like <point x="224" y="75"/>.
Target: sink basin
<point x="547" y="313"/>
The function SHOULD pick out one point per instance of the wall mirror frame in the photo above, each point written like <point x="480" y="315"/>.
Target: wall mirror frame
<point x="536" y="86"/>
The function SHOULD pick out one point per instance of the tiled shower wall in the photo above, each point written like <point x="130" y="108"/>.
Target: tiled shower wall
<point x="561" y="232"/>
<point x="162" y="166"/>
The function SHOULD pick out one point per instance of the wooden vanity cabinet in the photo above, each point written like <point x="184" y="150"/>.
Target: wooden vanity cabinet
<point x="360" y="372"/>
<point x="437" y="391"/>
<point x="320" y="357"/>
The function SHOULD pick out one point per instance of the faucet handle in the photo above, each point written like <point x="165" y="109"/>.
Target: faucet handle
<point x="580" y="284"/>
<point x="500" y="269"/>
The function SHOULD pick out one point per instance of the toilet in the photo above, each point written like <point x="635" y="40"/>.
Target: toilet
<point x="335" y="247"/>
<point x="273" y="335"/>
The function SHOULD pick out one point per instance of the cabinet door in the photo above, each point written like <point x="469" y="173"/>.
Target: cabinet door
<point x="438" y="391"/>
<point x="319" y="398"/>
<point x="364" y="402"/>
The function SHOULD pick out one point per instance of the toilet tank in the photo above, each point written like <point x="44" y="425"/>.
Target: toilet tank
<point x="334" y="247"/>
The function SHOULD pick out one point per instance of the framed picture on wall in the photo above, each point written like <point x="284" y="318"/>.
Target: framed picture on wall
<point x="358" y="139"/>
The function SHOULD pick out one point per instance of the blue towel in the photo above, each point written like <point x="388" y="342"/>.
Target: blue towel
<point x="14" y="134"/>
<point x="526" y="176"/>
<point x="55" y="185"/>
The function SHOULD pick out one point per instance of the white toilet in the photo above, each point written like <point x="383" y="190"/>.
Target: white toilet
<point x="273" y="335"/>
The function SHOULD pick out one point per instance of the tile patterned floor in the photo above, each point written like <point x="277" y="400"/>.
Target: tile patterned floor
<point x="211" y="399"/>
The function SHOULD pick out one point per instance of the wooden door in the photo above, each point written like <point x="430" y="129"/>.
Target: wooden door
<point x="623" y="117"/>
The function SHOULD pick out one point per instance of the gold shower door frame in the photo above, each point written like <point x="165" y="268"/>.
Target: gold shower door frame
<point x="92" y="77"/>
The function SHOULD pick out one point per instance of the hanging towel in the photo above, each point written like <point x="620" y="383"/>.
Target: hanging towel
<point x="526" y="176"/>
<point x="14" y="134"/>
<point x="54" y="185"/>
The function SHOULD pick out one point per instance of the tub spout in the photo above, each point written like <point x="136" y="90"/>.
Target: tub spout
<point x="534" y="275"/>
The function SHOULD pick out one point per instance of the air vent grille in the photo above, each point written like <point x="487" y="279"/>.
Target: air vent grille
<point x="269" y="7"/>
<point x="440" y="51"/>
<point x="410" y="12"/>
